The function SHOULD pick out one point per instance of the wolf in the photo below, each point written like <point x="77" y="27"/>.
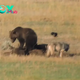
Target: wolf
<point x="57" y="47"/>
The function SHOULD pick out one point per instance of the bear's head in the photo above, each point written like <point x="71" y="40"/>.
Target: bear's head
<point x="13" y="35"/>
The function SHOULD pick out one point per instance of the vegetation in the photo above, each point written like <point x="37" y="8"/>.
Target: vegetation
<point x="44" y="16"/>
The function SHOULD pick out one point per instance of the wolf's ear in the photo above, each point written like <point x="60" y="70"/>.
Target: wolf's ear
<point x="68" y="44"/>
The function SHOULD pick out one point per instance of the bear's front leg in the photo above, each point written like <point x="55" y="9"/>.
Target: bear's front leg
<point x="21" y="44"/>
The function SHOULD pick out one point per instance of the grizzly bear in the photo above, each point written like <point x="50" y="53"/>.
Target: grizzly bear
<point x="42" y="47"/>
<point x="25" y="36"/>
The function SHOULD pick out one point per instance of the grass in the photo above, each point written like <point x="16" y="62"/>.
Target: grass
<point x="41" y="68"/>
<point x="43" y="16"/>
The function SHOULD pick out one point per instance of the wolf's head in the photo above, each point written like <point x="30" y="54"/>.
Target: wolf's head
<point x="66" y="47"/>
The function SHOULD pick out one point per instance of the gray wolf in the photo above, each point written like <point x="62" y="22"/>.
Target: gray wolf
<point x="59" y="47"/>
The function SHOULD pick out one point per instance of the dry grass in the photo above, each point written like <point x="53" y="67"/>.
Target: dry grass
<point x="45" y="16"/>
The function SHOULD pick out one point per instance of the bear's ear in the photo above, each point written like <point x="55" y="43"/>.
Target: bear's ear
<point x="14" y="32"/>
<point x="9" y="32"/>
<point x="17" y="34"/>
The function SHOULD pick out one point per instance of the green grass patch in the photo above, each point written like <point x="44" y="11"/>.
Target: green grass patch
<point x="39" y="70"/>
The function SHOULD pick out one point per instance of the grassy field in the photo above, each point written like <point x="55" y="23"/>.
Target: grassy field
<point x="43" y="16"/>
<point x="39" y="68"/>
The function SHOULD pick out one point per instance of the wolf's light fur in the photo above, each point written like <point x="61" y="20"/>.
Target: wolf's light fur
<point x="59" y="47"/>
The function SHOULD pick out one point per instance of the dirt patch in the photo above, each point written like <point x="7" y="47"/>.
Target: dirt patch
<point x="37" y="52"/>
<point x="21" y="52"/>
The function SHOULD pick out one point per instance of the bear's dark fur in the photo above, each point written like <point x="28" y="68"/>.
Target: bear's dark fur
<point x="42" y="47"/>
<point x="25" y="36"/>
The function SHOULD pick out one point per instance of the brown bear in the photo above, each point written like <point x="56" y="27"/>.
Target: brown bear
<point x="25" y="36"/>
<point x="42" y="47"/>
